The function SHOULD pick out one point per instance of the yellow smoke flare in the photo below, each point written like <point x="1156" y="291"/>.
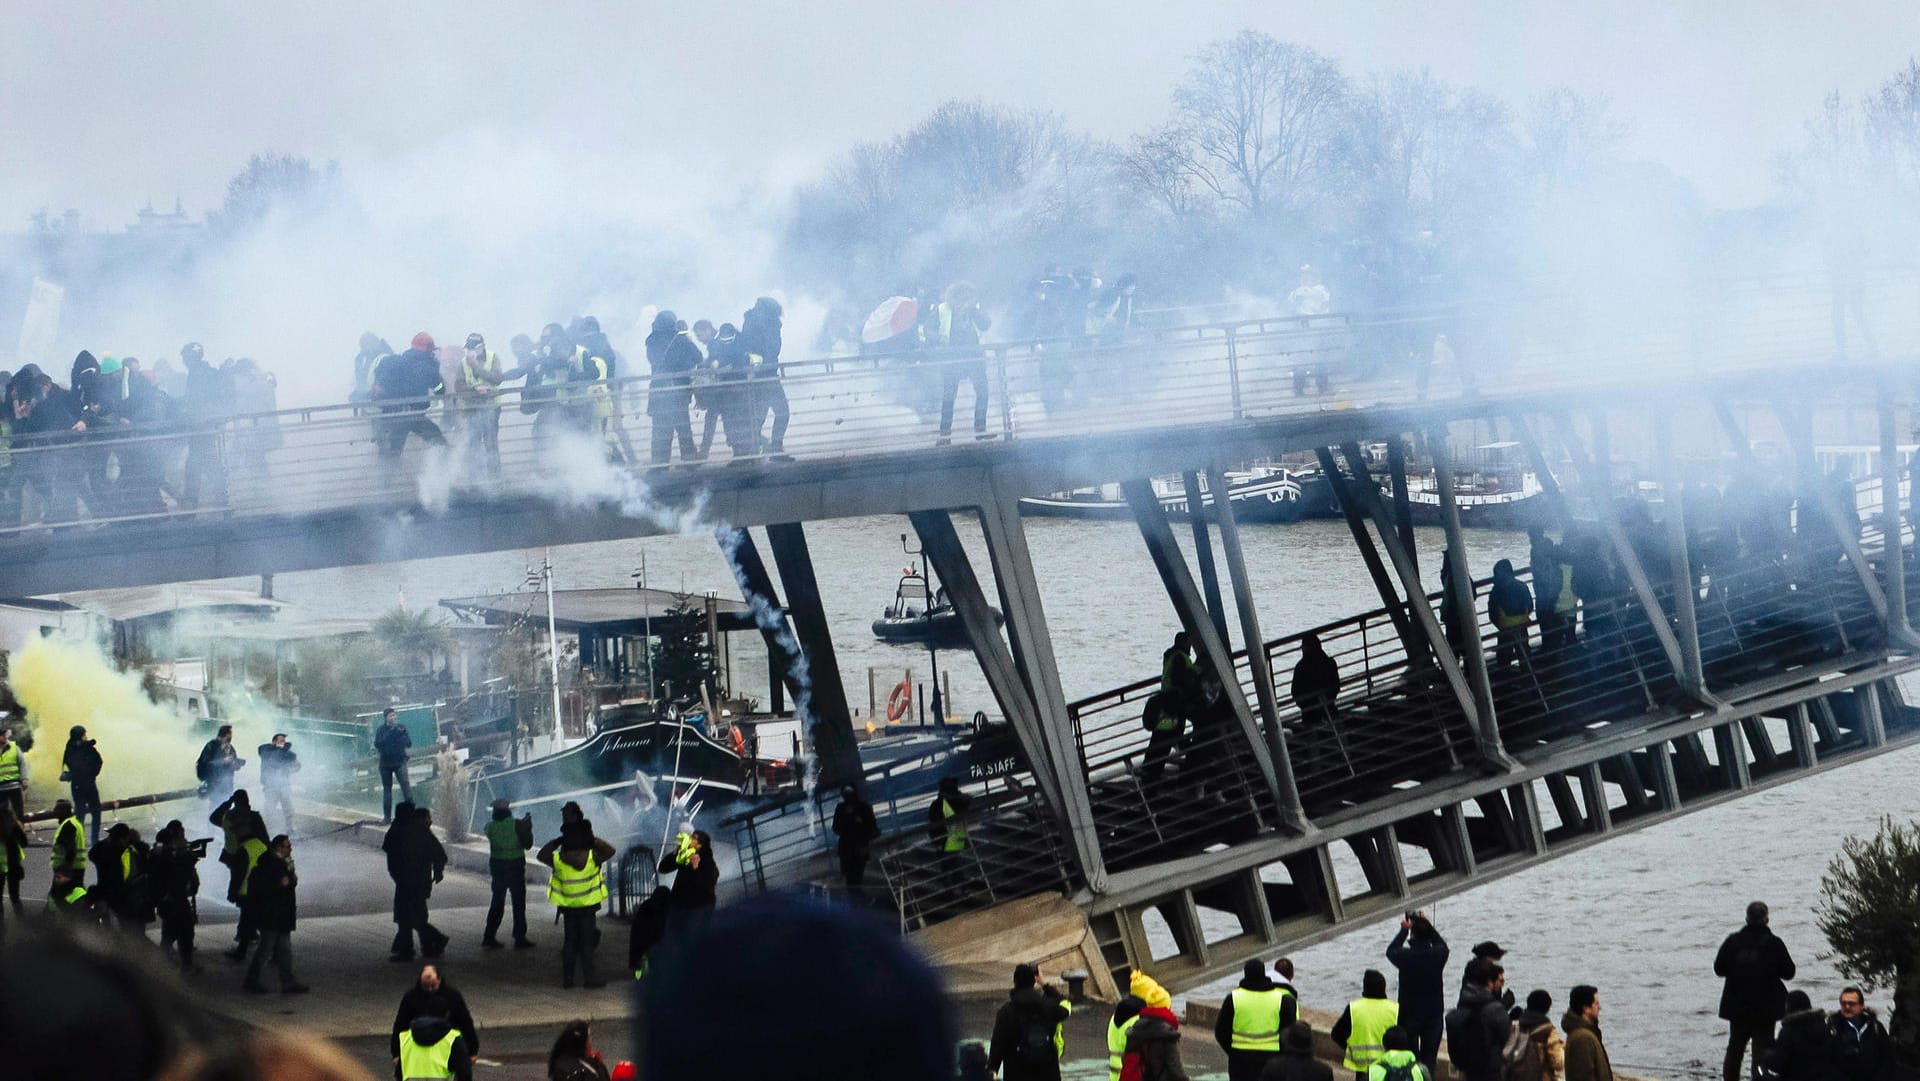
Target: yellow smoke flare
<point x="146" y="747"/>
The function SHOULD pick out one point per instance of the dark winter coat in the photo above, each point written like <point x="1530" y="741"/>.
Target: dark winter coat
<point x="1800" y="1052"/>
<point x="649" y="926"/>
<point x="82" y="761"/>
<point x="277" y="765"/>
<point x="1155" y="1039"/>
<point x="1316" y="683"/>
<point x="444" y="1001"/>
<point x="392" y="742"/>
<point x="693" y="887"/>
<point x="415" y="861"/>
<point x="672" y="358"/>
<point x="127" y="895"/>
<point x="209" y="391"/>
<point x="855" y="825"/>
<point x="408" y="378"/>
<point x="217" y="762"/>
<point x="1476" y="1032"/>
<point x="760" y="335"/>
<point x="1422" y="966"/>
<point x="1294" y="1066"/>
<point x="574" y="1068"/>
<point x="1025" y="1007"/>
<point x="1586" y="1052"/>
<point x="271" y="893"/>
<point x="1857" y="1052"/>
<point x="1756" y="966"/>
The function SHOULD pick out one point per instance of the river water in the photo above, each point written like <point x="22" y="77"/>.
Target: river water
<point x="1639" y="916"/>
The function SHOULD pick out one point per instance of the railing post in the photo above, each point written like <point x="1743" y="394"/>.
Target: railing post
<point x="1685" y="585"/>
<point x="1233" y="369"/>
<point x="1006" y="399"/>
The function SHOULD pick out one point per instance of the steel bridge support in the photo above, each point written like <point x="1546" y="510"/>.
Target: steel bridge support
<point x="833" y="721"/>
<point x="1368" y="496"/>
<point x="1844" y="519"/>
<point x="750" y="573"/>
<point x="1542" y="469"/>
<point x="1462" y="586"/>
<point x="1203" y="546"/>
<point x="1354" y="507"/>
<point x="1685" y="585"/>
<point x="1172" y="566"/>
<point x="1056" y="768"/>
<point x="1293" y="815"/>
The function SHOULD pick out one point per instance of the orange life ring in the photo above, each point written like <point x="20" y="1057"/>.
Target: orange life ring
<point x="899" y="701"/>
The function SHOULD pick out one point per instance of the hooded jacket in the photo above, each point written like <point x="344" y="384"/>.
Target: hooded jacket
<point x="693" y="887"/>
<point x="760" y="336"/>
<point x="411" y="377"/>
<point x="428" y="1031"/>
<point x="672" y="358"/>
<point x="1586" y="1054"/>
<point x="1756" y="966"/>
<point x="444" y="1002"/>
<point x="1153" y="1048"/>
<point x="1800" y="1052"/>
<point x="1024" y="1006"/>
<point x="1539" y="1027"/>
<point x="272" y="889"/>
<point x="1476" y="1032"/>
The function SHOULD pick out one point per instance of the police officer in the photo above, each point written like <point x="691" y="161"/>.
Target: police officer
<point x="1251" y="1018"/>
<point x="1362" y="1029"/>
<point x="577" y="887"/>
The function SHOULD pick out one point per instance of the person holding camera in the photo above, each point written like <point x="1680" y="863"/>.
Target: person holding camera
<point x="217" y="764"/>
<point x="1420" y="955"/>
<point x="176" y="884"/>
<point x="278" y="764"/>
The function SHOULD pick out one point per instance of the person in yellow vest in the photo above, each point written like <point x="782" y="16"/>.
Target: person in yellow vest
<point x="1250" y="1021"/>
<point x="1509" y="609"/>
<point x="577" y="888"/>
<point x="69" y="843"/>
<point x="251" y="850"/>
<point x="1362" y="1029"/>
<point x="1397" y="1062"/>
<point x="120" y="867"/>
<point x="1126" y="1014"/>
<point x="430" y="1049"/>
<point x="6" y="871"/>
<point x="1152" y="1051"/>
<point x="476" y="395"/>
<point x="13" y="838"/>
<point x="13" y="775"/>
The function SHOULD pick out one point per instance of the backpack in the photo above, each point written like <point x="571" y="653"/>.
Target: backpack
<point x="1403" y="1072"/>
<point x="1150" y="712"/>
<point x="1036" y="1042"/>
<point x="1463" y="1043"/>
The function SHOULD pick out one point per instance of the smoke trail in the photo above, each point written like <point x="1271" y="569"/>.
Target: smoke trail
<point x="774" y="622"/>
<point x="147" y="747"/>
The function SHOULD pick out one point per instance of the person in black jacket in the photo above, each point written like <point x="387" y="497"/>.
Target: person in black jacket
<point x="120" y="878"/>
<point x="1858" y="1048"/>
<point x="217" y="764"/>
<point x="1800" y="1054"/>
<point x="1295" y="1062"/>
<point x="391" y="740"/>
<point x="175" y="884"/>
<point x="696" y="875"/>
<point x="405" y="384"/>
<point x="1755" y="965"/>
<point x="1477" y="1027"/>
<point x="271" y="890"/>
<point x="760" y="338"/>
<point x="1023" y="1029"/>
<point x="857" y="828"/>
<point x="415" y="861"/>
<point x="1420" y="955"/>
<point x="431" y="996"/>
<point x="82" y="762"/>
<point x="278" y="764"/>
<point x="208" y="405"/>
<point x="671" y="358"/>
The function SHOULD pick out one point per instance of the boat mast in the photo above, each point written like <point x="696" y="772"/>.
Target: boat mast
<point x="553" y="639"/>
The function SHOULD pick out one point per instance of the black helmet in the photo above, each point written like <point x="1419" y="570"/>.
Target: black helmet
<point x="475" y="341"/>
<point x="589" y="325"/>
<point x="192" y="352"/>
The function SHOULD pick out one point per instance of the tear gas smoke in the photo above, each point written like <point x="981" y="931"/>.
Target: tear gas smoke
<point x="146" y="747"/>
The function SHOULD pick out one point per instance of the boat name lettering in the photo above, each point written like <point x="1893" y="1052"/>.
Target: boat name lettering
<point x="979" y="772"/>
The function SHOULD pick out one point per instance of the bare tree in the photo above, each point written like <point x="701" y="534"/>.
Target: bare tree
<point x="1259" y="120"/>
<point x="1568" y="135"/>
<point x="269" y="182"/>
<point x="1159" y="167"/>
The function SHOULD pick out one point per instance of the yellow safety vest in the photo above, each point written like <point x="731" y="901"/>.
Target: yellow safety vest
<point x="57" y="903"/>
<point x="1117" y="1045"/>
<point x="126" y="864"/>
<point x="475" y="385"/>
<point x="1256" y="1019"/>
<point x="956" y="828"/>
<point x="255" y="848"/>
<point x="78" y="861"/>
<point x="10" y="764"/>
<point x="1060" y="1035"/>
<point x="433" y="1061"/>
<point x="1567" y="602"/>
<point x="583" y="887"/>
<point x="1370" y="1018"/>
<point x="1378" y="1071"/>
<point x="6" y="442"/>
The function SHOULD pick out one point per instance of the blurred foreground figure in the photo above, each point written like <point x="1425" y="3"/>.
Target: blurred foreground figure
<point x="84" y="990"/>
<point x="875" y="1010"/>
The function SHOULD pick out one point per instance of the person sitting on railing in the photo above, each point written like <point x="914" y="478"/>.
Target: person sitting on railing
<point x="1510" y="610"/>
<point x="404" y="384"/>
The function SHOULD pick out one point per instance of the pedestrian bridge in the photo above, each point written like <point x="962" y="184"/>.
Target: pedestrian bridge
<point x="1718" y="649"/>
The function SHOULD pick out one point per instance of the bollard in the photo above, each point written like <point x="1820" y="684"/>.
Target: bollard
<point x="1076" y="985"/>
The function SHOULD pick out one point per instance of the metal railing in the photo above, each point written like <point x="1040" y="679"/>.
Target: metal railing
<point x="1011" y="851"/>
<point x="530" y="443"/>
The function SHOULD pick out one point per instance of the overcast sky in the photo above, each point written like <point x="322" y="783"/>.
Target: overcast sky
<point x="104" y="106"/>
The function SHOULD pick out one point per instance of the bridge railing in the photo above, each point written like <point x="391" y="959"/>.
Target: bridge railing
<point x="1011" y="851"/>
